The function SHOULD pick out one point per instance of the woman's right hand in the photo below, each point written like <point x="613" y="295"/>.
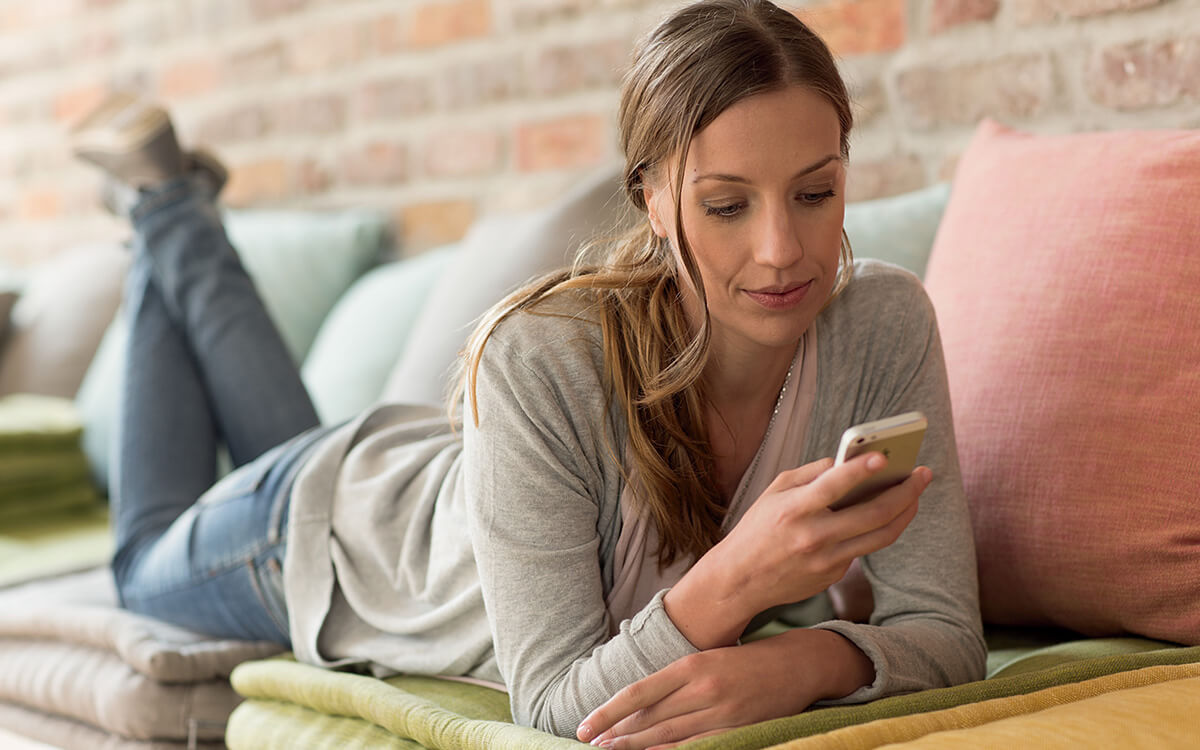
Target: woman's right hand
<point x="789" y="546"/>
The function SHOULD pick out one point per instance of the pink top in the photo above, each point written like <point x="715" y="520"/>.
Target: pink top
<point x="636" y="578"/>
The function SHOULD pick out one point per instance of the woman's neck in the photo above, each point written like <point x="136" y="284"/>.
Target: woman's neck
<point x="741" y="378"/>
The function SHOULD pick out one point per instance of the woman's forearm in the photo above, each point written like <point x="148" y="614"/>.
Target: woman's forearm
<point x="708" y="606"/>
<point x="845" y="668"/>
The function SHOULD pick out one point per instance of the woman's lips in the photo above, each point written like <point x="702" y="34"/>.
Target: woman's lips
<point x="782" y="298"/>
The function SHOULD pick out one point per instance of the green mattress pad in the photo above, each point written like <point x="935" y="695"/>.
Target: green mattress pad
<point x="294" y="705"/>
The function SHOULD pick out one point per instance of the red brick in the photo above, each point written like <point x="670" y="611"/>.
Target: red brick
<point x="316" y="114"/>
<point x="389" y="34"/>
<point x="329" y="47"/>
<point x="74" y="103"/>
<point x="257" y="64"/>
<point x="949" y="13"/>
<point x="560" y="144"/>
<point x="313" y="177"/>
<point x="1145" y="74"/>
<point x="393" y="97"/>
<point x="1007" y="88"/>
<point x="238" y="124"/>
<point x="148" y="25"/>
<point x="377" y="163"/>
<point x="878" y="179"/>
<point x="570" y="68"/>
<point x="189" y="77"/>
<point x="1028" y="12"/>
<point x="478" y="82"/>
<point x="37" y="204"/>
<point x="868" y="100"/>
<point x="95" y="43"/>
<point x="459" y="153"/>
<point x="530" y="13"/>
<point x="437" y="23"/>
<point x="262" y="9"/>
<point x="855" y="27"/>
<point x="426" y="225"/>
<point x="257" y="182"/>
<point x="948" y="167"/>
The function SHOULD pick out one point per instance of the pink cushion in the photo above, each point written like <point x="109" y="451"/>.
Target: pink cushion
<point x="1066" y="277"/>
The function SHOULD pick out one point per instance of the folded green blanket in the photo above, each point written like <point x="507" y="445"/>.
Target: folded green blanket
<point x="43" y="470"/>
<point x="71" y="495"/>
<point x="29" y="470"/>
<point x="295" y="705"/>
<point x="29" y="421"/>
<point x="54" y="542"/>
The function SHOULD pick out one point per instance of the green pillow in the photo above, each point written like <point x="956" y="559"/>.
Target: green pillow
<point x="301" y="263"/>
<point x="365" y="333"/>
<point x="899" y="229"/>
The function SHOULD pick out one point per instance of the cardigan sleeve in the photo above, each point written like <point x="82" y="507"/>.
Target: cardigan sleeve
<point x="925" y="631"/>
<point x="535" y="472"/>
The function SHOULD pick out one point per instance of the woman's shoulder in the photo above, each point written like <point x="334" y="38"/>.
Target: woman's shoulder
<point x="880" y="295"/>
<point x="883" y="315"/>
<point x="558" y="336"/>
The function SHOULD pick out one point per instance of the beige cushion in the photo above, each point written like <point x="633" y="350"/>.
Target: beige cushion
<point x="497" y="255"/>
<point x="68" y="650"/>
<point x="56" y="325"/>
<point x="59" y="733"/>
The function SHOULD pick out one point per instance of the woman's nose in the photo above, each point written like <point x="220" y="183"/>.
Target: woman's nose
<point x="778" y="244"/>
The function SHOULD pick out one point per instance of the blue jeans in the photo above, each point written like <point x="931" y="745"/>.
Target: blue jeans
<point x="205" y="366"/>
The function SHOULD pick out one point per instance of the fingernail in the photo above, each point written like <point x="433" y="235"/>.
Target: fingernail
<point x="926" y="475"/>
<point x="877" y="461"/>
<point x="585" y="733"/>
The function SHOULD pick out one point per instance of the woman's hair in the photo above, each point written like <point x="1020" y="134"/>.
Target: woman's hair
<point x="697" y="63"/>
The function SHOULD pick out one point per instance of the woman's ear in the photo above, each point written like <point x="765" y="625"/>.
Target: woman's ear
<point x="653" y="196"/>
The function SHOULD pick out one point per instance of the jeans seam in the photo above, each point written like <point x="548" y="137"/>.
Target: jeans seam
<point x="257" y="584"/>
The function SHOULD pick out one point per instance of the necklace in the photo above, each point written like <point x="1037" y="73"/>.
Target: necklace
<point x="740" y="492"/>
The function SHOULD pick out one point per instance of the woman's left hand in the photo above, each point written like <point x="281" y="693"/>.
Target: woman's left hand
<point x="715" y="690"/>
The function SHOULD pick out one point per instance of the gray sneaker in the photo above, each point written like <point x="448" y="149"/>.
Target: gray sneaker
<point x="131" y="139"/>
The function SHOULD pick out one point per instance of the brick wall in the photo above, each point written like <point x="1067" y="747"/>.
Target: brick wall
<point x="439" y="111"/>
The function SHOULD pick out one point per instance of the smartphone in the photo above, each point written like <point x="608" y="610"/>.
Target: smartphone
<point x="898" y="438"/>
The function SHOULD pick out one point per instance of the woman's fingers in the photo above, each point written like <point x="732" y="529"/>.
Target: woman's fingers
<point x="801" y="475"/>
<point x="885" y="517"/>
<point x="667" y="733"/>
<point x="628" y="701"/>
<point x="836" y="481"/>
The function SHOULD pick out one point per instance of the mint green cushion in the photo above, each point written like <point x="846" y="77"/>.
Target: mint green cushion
<point x="301" y="262"/>
<point x="899" y="229"/>
<point x="363" y="336"/>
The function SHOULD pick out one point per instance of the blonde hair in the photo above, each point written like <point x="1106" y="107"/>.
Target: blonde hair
<point x="697" y="63"/>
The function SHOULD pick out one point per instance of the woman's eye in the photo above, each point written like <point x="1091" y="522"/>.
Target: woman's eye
<point x="815" y="199"/>
<point x="724" y="212"/>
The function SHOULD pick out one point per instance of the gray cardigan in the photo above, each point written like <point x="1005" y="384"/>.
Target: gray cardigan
<point x="411" y="551"/>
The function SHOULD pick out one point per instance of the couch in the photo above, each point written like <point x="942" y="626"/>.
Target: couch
<point x="1069" y="327"/>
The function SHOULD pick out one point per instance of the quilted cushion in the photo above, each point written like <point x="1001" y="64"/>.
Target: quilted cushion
<point x="69" y="651"/>
<point x="1065" y="277"/>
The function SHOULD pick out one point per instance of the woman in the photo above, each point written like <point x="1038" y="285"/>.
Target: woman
<point x="642" y="474"/>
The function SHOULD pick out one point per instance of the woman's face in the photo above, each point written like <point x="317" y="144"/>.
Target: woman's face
<point x="762" y="208"/>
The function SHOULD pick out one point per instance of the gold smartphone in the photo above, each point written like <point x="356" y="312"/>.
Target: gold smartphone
<point x="898" y="438"/>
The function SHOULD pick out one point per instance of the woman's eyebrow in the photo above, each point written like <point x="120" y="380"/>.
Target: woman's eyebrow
<point x="735" y="178"/>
